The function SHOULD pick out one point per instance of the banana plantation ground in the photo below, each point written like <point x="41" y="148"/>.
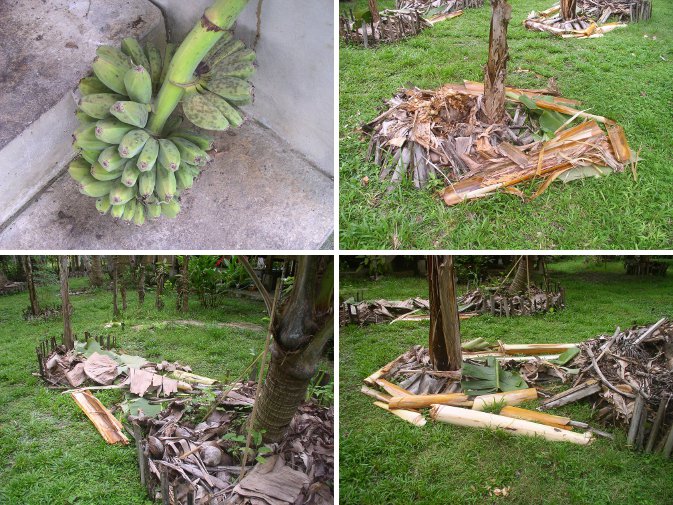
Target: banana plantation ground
<point x="49" y="451"/>
<point x="624" y="76"/>
<point x="386" y="460"/>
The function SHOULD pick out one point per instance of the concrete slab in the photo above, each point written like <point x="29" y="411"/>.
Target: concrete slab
<point x="257" y="194"/>
<point x="45" y="49"/>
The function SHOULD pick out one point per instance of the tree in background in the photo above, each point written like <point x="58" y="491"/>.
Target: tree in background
<point x="182" y="286"/>
<point x="27" y="262"/>
<point x="444" y="340"/>
<point x="140" y="264"/>
<point x="160" y="277"/>
<point x="302" y="326"/>
<point x="66" y="308"/>
<point x="96" y="272"/>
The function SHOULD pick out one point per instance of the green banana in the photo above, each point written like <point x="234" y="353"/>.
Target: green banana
<point x="138" y="84"/>
<point x="91" y="85"/>
<point x="190" y="169"/>
<point x="183" y="179"/>
<point x="205" y="142"/>
<point x="234" y="90"/>
<point x="240" y="69"/>
<point x="130" y="173"/>
<point x="153" y="210"/>
<point x="79" y="169"/>
<point x="103" y="204"/>
<point x="200" y="111"/>
<point x="154" y="57"/>
<point x="97" y="105"/>
<point x="169" y="155"/>
<point x="227" y="110"/>
<point x="146" y="182"/>
<point x="170" y="209"/>
<point x="227" y="49"/>
<point x="131" y="47"/>
<point x="133" y="113"/>
<point x="101" y="174"/>
<point x="84" y="138"/>
<point x="190" y="152"/>
<point x="139" y="214"/>
<point x="109" y="159"/>
<point x="243" y="55"/>
<point x="148" y="156"/>
<point x="113" y="55"/>
<point x="168" y="56"/>
<point x="111" y="130"/>
<point x="111" y="74"/>
<point x="84" y="118"/>
<point x="90" y="156"/>
<point x="120" y="193"/>
<point x="117" y="211"/>
<point x="165" y="185"/>
<point x="129" y="210"/>
<point x="172" y="124"/>
<point x="94" y="188"/>
<point x="222" y="42"/>
<point x="132" y="143"/>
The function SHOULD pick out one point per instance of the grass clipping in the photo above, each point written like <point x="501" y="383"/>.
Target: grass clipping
<point x="443" y="134"/>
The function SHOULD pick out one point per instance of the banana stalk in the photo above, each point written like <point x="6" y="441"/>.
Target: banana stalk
<point x="217" y="18"/>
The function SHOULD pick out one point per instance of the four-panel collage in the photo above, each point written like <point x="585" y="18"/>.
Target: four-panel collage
<point x="319" y="252"/>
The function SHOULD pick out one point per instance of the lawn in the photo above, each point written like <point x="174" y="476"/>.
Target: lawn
<point x="385" y="460"/>
<point x="625" y="75"/>
<point x="49" y="451"/>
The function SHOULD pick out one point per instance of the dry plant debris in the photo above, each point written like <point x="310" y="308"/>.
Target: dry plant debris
<point x="444" y="134"/>
<point x="627" y="375"/>
<point x="195" y="460"/>
<point x="496" y="302"/>
<point x="591" y="18"/>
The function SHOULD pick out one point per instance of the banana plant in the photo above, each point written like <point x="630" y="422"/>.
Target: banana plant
<point x="133" y="155"/>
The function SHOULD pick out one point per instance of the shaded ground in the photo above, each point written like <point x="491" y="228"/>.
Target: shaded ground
<point x="385" y="460"/>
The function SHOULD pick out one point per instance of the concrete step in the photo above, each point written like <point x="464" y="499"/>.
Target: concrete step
<point x="256" y="194"/>
<point x="45" y="49"/>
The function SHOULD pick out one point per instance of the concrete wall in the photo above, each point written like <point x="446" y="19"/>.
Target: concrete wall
<point x="294" y="84"/>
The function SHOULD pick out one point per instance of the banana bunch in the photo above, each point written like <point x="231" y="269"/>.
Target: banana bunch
<point x="131" y="173"/>
<point x="222" y="84"/>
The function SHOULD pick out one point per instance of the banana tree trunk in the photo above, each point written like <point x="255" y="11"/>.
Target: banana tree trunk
<point x="160" y="271"/>
<point x="66" y="309"/>
<point x="522" y="277"/>
<point x="141" y="281"/>
<point x="568" y="9"/>
<point x="304" y="326"/>
<point x="32" y="294"/>
<point x="185" y="284"/>
<point x="96" y="272"/>
<point x="444" y="341"/>
<point x="115" y="287"/>
<point x="496" y="68"/>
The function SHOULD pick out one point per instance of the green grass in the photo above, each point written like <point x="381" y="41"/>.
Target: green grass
<point x="623" y="76"/>
<point x="385" y="460"/>
<point x="49" y="451"/>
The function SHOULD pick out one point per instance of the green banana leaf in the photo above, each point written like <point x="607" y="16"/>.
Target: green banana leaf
<point x="566" y="357"/>
<point x="132" y="406"/>
<point x="491" y="378"/>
